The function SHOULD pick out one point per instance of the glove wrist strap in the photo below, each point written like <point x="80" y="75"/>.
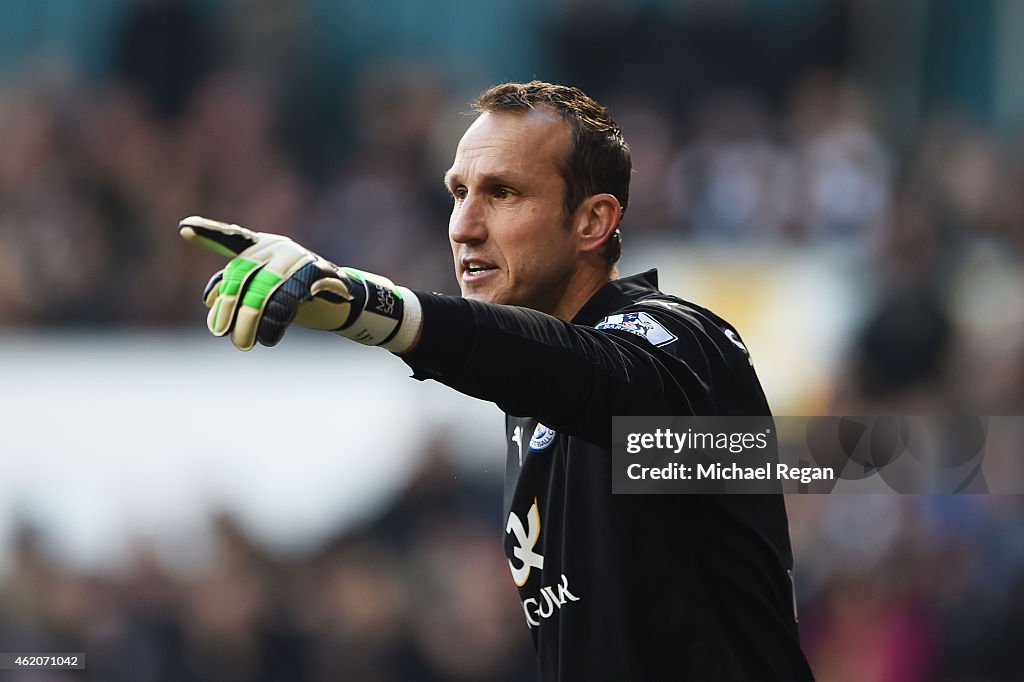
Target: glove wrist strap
<point x="382" y="314"/>
<point x="409" y="328"/>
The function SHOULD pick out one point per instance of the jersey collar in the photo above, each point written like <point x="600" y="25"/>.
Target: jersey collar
<point x="615" y="295"/>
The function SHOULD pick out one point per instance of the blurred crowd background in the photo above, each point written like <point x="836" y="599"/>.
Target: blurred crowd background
<point x="888" y="133"/>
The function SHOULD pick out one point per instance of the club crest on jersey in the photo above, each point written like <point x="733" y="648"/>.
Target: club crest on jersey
<point x="542" y="438"/>
<point x="641" y="324"/>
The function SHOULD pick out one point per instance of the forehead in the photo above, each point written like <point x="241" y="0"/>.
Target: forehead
<point x="534" y="141"/>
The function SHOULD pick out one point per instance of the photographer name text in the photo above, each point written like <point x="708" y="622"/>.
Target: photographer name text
<point x="728" y="472"/>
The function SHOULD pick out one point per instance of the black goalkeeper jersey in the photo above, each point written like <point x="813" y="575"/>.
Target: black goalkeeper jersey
<point x="623" y="587"/>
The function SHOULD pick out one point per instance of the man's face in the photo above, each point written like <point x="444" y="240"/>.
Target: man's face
<point x="508" y="228"/>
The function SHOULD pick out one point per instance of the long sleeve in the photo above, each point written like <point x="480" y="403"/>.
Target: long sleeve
<point x="571" y="377"/>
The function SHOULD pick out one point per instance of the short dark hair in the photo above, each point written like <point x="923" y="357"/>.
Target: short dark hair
<point x="598" y="160"/>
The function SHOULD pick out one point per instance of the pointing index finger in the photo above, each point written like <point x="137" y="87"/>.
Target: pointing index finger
<point x="223" y="238"/>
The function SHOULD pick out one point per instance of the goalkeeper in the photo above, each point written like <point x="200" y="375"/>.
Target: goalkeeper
<point x="627" y="587"/>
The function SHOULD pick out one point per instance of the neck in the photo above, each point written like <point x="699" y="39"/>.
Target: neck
<point x="584" y="284"/>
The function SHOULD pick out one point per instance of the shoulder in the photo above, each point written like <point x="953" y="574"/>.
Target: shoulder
<point x="678" y="331"/>
<point x="671" y="323"/>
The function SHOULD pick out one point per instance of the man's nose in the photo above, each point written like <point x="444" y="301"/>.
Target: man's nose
<point x="468" y="222"/>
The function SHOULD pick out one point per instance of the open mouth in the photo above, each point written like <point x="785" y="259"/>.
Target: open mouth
<point x="479" y="267"/>
<point x="474" y="269"/>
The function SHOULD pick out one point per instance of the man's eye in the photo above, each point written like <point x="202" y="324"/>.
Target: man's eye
<point x="502" y="193"/>
<point x="459" y="193"/>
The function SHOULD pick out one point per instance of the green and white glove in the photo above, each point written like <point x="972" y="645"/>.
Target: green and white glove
<point x="272" y="282"/>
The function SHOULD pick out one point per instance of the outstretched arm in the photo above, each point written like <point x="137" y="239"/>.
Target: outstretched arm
<point x="570" y="377"/>
<point x="573" y="378"/>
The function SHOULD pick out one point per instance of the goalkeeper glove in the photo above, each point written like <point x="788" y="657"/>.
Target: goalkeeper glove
<point x="272" y="282"/>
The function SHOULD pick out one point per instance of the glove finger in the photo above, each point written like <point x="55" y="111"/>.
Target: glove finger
<point x="222" y="313"/>
<point x="274" y="323"/>
<point x="243" y="331"/>
<point x="328" y="306"/>
<point x="332" y="289"/>
<point x="232" y="288"/>
<point x="321" y="314"/>
<point x="280" y="310"/>
<point x="257" y="292"/>
<point x="223" y="238"/>
<point x="212" y="289"/>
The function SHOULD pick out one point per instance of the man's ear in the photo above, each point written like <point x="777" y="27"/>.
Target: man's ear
<point x="596" y="218"/>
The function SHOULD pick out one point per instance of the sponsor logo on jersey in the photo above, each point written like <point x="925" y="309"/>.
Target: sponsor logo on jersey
<point x="526" y="539"/>
<point x="542" y="438"/>
<point x="640" y="324"/>
<point x="550" y="599"/>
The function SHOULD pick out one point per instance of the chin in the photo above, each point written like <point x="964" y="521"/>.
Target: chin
<point x="482" y="296"/>
<point x="485" y="296"/>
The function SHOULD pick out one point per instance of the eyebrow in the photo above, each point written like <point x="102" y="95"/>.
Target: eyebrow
<point x="504" y="178"/>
